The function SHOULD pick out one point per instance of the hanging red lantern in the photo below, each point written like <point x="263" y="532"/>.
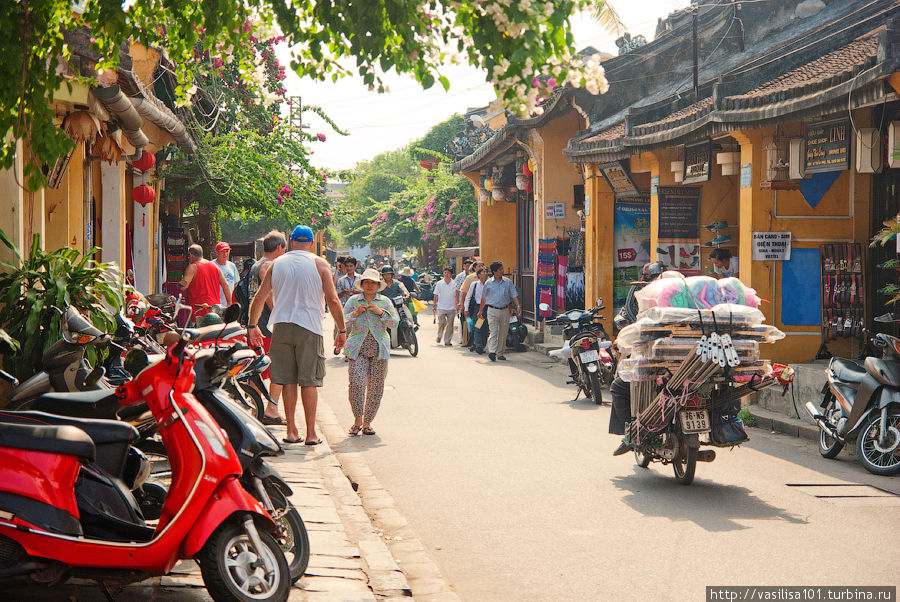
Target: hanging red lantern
<point x="143" y="194"/>
<point x="526" y="170"/>
<point x="146" y="161"/>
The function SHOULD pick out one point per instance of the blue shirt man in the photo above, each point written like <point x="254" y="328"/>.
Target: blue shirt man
<point x="498" y="293"/>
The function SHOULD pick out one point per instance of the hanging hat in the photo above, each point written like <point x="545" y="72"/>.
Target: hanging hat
<point x="370" y="274"/>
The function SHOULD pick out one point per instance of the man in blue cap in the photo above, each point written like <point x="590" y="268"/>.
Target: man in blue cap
<point x="301" y="285"/>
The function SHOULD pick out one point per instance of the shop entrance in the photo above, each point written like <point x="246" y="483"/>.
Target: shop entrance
<point x="885" y="206"/>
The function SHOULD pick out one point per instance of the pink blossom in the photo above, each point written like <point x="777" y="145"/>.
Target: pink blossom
<point x="534" y="83"/>
<point x="321" y="137"/>
<point x="217" y="62"/>
<point x="314" y="220"/>
<point x="247" y="26"/>
<point x="327" y="214"/>
<point x="551" y="82"/>
<point x="280" y="200"/>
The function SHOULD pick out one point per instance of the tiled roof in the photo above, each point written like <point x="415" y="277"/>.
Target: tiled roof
<point x="613" y="132"/>
<point x="688" y="113"/>
<point x="826" y="71"/>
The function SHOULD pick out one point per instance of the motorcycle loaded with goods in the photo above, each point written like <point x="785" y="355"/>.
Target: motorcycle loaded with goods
<point x="693" y="354"/>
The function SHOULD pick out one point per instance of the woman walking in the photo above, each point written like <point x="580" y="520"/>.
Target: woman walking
<point x="369" y="316"/>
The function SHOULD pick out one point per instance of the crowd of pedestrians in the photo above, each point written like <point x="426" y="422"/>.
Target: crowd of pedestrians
<point x="287" y="291"/>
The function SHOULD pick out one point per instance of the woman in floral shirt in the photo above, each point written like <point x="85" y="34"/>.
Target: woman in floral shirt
<point x="369" y="316"/>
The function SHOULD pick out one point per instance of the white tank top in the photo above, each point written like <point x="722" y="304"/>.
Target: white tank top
<point x="297" y="291"/>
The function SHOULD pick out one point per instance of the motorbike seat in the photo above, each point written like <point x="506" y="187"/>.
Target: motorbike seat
<point x="100" y="431"/>
<point x="886" y="372"/>
<point x="212" y="332"/>
<point x="101" y="403"/>
<point x="847" y="370"/>
<point x="63" y="439"/>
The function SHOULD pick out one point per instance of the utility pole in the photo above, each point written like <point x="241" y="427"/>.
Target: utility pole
<point x="740" y="25"/>
<point x="694" y="11"/>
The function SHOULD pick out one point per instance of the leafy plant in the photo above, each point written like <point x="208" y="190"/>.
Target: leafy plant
<point x="746" y="417"/>
<point x="884" y="236"/>
<point x="35" y="288"/>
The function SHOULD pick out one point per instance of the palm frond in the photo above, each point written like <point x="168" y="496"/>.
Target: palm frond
<point x="606" y="16"/>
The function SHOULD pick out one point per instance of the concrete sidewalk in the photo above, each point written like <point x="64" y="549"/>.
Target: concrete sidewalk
<point x="349" y="559"/>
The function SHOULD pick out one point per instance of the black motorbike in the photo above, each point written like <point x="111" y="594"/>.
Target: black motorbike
<point x="863" y="401"/>
<point x="586" y="349"/>
<point x="405" y="333"/>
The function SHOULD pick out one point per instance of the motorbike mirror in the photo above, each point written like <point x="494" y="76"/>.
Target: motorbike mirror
<point x="135" y="361"/>
<point x="544" y="307"/>
<point x="232" y="313"/>
<point x="94" y="377"/>
<point x="599" y="301"/>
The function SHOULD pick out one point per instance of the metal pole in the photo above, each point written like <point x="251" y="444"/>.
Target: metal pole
<point x="696" y="51"/>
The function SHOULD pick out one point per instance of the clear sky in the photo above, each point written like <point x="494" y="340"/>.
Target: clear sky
<point x="382" y="122"/>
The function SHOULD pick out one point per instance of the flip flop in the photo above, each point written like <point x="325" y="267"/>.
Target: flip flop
<point x="354" y="430"/>
<point x="268" y="420"/>
<point x="297" y="440"/>
<point x="316" y="442"/>
<point x="368" y="431"/>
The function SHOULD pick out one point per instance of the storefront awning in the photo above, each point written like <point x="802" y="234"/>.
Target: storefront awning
<point x="453" y="252"/>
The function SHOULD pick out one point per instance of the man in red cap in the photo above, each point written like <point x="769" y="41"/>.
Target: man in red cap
<point x="228" y="269"/>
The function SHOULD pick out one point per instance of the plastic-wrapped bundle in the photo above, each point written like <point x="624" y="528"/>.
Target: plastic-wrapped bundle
<point x="639" y="369"/>
<point x="677" y="348"/>
<point x="722" y="315"/>
<point x="696" y="292"/>
<point x="735" y="291"/>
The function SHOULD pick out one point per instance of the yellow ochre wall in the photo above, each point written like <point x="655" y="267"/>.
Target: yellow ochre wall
<point x="496" y="229"/>
<point x="555" y="176"/>
<point x="842" y="216"/>
<point x="598" y="260"/>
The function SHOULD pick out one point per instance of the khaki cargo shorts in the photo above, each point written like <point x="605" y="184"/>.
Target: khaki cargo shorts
<point x="298" y="356"/>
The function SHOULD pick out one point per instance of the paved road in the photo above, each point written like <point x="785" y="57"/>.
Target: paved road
<point x="511" y="486"/>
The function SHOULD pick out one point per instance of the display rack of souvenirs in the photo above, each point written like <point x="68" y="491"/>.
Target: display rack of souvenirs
<point x="695" y="344"/>
<point x="176" y="259"/>
<point x="843" y="292"/>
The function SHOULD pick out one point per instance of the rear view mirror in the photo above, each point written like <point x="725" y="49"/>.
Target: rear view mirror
<point x="135" y="361"/>
<point x="599" y="301"/>
<point x="544" y="307"/>
<point x="232" y="313"/>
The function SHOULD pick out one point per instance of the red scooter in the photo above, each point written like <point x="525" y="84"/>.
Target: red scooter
<point x="207" y="514"/>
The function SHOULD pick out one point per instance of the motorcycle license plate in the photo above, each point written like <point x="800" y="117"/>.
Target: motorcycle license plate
<point x="591" y="355"/>
<point x="694" y="421"/>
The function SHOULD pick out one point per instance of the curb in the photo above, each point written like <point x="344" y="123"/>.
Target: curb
<point x="778" y="423"/>
<point x="388" y="539"/>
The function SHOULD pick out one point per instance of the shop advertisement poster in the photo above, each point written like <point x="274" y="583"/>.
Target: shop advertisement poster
<point x="679" y="229"/>
<point x="631" y="245"/>
<point x="555" y="211"/>
<point x="827" y="146"/>
<point x="771" y="246"/>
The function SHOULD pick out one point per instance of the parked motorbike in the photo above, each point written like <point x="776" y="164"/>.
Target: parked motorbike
<point x="405" y="333"/>
<point x="64" y="365"/>
<point x="516" y="335"/>
<point x="863" y="402"/>
<point x="586" y="349"/>
<point x="207" y="515"/>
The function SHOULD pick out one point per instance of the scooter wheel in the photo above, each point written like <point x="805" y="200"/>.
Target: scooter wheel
<point x="232" y="570"/>
<point x="877" y="458"/>
<point x="642" y="459"/>
<point x="294" y="540"/>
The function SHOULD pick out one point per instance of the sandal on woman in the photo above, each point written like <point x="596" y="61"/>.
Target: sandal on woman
<point x="354" y="430"/>
<point x="368" y="430"/>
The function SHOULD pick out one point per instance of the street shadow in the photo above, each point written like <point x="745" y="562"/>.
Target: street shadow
<point x="357" y="443"/>
<point x="707" y="504"/>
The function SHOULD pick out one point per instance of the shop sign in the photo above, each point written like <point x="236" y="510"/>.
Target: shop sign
<point x="746" y="175"/>
<point x="828" y="146"/>
<point x="631" y="245"/>
<point x="771" y="246"/>
<point x="697" y="162"/>
<point x="619" y="180"/>
<point x="679" y="228"/>
<point x="555" y="211"/>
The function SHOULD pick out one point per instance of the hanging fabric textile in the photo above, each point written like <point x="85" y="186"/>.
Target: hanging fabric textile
<point x="545" y="277"/>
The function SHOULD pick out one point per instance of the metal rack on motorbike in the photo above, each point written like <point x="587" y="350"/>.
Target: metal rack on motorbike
<point x="689" y="369"/>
